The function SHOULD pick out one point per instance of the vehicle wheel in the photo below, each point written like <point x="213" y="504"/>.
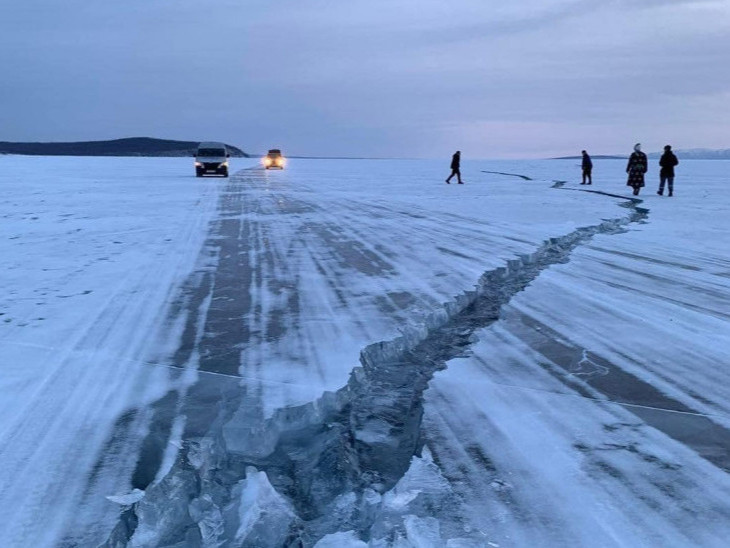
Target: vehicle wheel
<point x="198" y="174"/>
<point x="225" y="173"/>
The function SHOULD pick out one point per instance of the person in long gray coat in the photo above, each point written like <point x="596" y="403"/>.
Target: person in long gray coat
<point x="636" y="168"/>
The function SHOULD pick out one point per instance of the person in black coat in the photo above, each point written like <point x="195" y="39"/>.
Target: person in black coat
<point x="455" y="168"/>
<point x="636" y="168"/>
<point x="667" y="162"/>
<point x="587" y="166"/>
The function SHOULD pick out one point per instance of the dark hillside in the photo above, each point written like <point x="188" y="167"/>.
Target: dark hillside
<point x="134" y="146"/>
<point x="594" y="157"/>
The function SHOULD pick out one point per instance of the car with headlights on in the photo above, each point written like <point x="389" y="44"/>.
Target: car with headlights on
<point x="274" y="158"/>
<point x="211" y="159"/>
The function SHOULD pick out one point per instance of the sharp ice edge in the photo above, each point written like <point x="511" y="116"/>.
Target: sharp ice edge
<point x="346" y="466"/>
<point x="135" y="495"/>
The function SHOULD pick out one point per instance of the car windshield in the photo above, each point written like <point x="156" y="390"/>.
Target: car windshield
<point x="211" y="152"/>
<point x="274" y="153"/>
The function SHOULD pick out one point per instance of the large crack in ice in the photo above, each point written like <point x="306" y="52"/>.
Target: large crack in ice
<point x="320" y="468"/>
<point x="523" y="177"/>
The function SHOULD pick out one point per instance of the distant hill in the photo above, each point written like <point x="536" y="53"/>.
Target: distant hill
<point x="594" y="157"/>
<point x="698" y="154"/>
<point x="688" y="154"/>
<point x="133" y="146"/>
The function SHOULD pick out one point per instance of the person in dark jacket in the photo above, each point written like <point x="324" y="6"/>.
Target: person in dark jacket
<point x="636" y="168"/>
<point x="455" y="168"/>
<point x="587" y="166"/>
<point x="666" y="174"/>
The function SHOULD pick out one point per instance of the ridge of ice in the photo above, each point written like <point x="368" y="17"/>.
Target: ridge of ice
<point x="263" y="513"/>
<point x="342" y="539"/>
<point x="127" y="499"/>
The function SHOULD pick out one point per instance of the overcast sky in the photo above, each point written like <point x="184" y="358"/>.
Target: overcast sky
<point x="408" y="78"/>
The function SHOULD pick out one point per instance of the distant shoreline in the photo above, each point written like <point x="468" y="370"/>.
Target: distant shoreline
<point x="596" y="157"/>
<point x="127" y="147"/>
<point x="682" y="154"/>
<point x="152" y="147"/>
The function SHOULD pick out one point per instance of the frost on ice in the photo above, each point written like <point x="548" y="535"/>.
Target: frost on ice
<point x="361" y="357"/>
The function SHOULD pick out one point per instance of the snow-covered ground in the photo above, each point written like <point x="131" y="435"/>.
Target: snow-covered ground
<point x="351" y="352"/>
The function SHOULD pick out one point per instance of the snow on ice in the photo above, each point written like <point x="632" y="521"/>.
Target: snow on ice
<point x="353" y="353"/>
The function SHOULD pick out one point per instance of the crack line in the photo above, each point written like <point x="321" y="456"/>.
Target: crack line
<point x="362" y="437"/>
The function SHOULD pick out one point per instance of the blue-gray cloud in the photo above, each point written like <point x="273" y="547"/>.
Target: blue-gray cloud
<point x="328" y="77"/>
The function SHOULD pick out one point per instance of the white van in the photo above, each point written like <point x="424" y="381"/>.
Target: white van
<point x="211" y="159"/>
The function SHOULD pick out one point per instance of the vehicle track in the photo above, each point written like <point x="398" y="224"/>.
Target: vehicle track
<point x="358" y="439"/>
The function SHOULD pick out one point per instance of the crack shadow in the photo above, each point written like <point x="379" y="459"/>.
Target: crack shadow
<point x="354" y="442"/>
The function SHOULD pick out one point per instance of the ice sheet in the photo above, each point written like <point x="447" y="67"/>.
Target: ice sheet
<point x="217" y="323"/>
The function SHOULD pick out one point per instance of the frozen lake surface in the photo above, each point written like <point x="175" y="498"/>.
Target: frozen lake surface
<point x="353" y="353"/>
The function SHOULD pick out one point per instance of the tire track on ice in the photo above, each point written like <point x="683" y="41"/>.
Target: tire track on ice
<point x="358" y="440"/>
<point x="63" y="419"/>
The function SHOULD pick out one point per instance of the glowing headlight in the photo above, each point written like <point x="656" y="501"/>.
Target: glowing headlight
<point x="267" y="161"/>
<point x="198" y="164"/>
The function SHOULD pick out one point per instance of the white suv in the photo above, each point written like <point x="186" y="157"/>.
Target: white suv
<point x="211" y="159"/>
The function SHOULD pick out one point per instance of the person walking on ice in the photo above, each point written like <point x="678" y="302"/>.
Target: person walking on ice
<point x="587" y="167"/>
<point x="455" y="168"/>
<point x="667" y="161"/>
<point x="636" y="168"/>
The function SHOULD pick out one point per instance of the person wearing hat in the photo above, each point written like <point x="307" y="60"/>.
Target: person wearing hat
<point x="636" y="168"/>
<point x="587" y="167"/>
<point x="667" y="162"/>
